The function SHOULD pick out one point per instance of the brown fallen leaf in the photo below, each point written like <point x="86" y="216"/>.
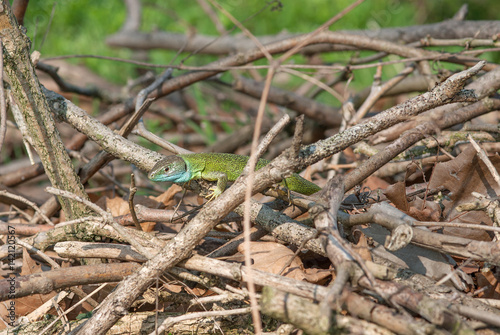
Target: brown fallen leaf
<point x="26" y="305"/>
<point x="424" y="210"/>
<point x="167" y="197"/>
<point x="374" y="182"/>
<point x="461" y="176"/>
<point x="272" y="257"/>
<point x="361" y="246"/>
<point x="492" y="284"/>
<point x="117" y="206"/>
<point x="396" y="193"/>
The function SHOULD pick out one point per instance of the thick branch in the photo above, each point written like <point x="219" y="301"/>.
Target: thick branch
<point x="113" y="143"/>
<point x="229" y="44"/>
<point x="48" y="281"/>
<point x="35" y="115"/>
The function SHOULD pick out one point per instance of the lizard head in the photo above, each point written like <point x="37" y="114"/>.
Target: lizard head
<point x="172" y="168"/>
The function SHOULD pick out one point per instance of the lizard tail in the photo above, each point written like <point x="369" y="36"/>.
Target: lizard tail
<point x="298" y="184"/>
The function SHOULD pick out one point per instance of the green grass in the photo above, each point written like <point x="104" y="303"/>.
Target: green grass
<point x="205" y="128"/>
<point x="81" y="27"/>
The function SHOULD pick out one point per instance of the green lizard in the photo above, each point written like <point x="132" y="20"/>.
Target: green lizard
<point x="218" y="167"/>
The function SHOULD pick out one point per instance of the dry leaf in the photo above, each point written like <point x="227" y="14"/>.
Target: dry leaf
<point x="374" y="183"/>
<point x="362" y="247"/>
<point x="396" y="193"/>
<point x="167" y="197"/>
<point x="424" y="210"/>
<point x="272" y="257"/>
<point x="461" y="176"/>
<point x="317" y="276"/>
<point x="148" y="226"/>
<point x="117" y="206"/>
<point x="26" y="305"/>
<point x="489" y="280"/>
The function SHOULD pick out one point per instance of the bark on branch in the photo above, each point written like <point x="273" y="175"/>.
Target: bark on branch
<point x="34" y="117"/>
<point x="224" y="45"/>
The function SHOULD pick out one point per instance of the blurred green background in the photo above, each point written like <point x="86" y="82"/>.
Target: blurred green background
<point x="81" y="27"/>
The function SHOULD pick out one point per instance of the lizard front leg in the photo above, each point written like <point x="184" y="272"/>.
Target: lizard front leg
<point x="221" y="179"/>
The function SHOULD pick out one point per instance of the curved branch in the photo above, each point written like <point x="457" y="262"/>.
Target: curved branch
<point x="224" y="45"/>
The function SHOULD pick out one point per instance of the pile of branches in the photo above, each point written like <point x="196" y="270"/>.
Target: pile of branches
<point x="341" y="271"/>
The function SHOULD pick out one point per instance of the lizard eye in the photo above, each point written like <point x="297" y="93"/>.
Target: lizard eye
<point x="166" y="169"/>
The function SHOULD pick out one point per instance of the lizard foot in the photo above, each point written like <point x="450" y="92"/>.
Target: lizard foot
<point x="215" y="193"/>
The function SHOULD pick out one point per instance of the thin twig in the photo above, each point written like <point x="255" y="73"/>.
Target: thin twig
<point x="52" y="190"/>
<point x="456" y="225"/>
<point x="52" y="13"/>
<point x="198" y="315"/>
<point x="29" y="203"/>
<point x="66" y="86"/>
<point x="453" y="273"/>
<point x="38" y="252"/>
<point x="252" y="162"/>
<point x="153" y="138"/>
<point x="482" y="155"/>
<point x="133" y="190"/>
<point x="69" y="310"/>
<point x="76" y="221"/>
<point x="324" y="26"/>
<point x="316" y="82"/>
<point x="433" y="56"/>
<point x="377" y="91"/>
<point x="213" y="17"/>
<point x="107" y="217"/>
<point x="243" y="29"/>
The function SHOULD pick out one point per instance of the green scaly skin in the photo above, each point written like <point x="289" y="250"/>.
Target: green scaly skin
<point x="218" y="167"/>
